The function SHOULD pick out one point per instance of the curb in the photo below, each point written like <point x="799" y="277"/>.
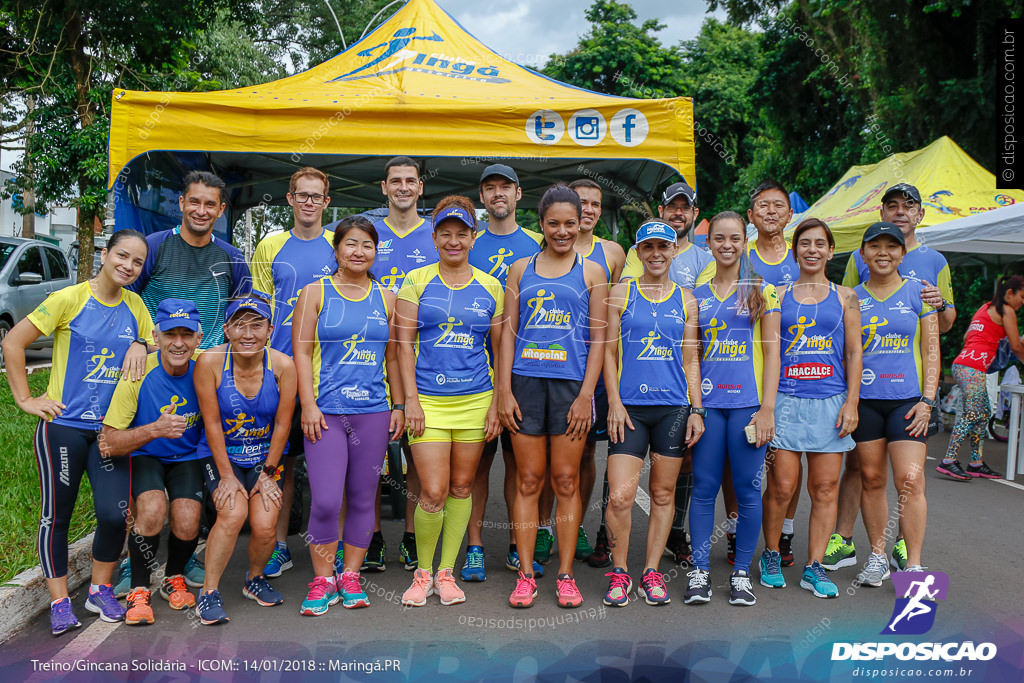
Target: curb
<point x="25" y="596"/>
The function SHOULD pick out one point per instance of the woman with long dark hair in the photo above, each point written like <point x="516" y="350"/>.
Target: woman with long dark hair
<point x="991" y="323"/>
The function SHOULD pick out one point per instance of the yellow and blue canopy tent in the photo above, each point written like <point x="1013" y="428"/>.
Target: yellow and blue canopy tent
<point x="952" y="186"/>
<point x="418" y="85"/>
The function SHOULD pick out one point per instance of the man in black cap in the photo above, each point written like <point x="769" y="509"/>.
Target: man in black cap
<point x="691" y="265"/>
<point x="496" y="247"/>
<point x="901" y="205"/>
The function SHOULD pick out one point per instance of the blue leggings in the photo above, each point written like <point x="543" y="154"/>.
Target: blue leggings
<point x="724" y="438"/>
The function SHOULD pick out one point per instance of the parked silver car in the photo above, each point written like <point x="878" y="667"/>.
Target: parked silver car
<point x="29" y="271"/>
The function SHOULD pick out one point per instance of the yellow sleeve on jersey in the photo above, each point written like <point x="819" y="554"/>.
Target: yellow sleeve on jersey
<point x="771" y="298"/>
<point x="706" y="274"/>
<point x="851" y="278"/>
<point x="125" y="401"/>
<point x="536" y="236"/>
<point x="415" y="282"/>
<point x="59" y="308"/>
<point x="493" y="286"/>
<point x="141" y="313"/>
<point x="945" y="285"/>
<point x="262" y="266"/>
<point x="633" y="267"/>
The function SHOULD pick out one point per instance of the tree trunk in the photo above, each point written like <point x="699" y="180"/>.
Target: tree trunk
<point x="80" y="67"/>
<point x="28" y="219"/>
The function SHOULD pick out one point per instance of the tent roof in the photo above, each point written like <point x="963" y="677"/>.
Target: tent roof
<point x="418" y="85"/>
<point x="1000" y="231"/>
<point x="952" y="185"/>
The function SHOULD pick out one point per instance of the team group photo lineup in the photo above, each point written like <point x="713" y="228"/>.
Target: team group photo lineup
<point x="192" y="385"/>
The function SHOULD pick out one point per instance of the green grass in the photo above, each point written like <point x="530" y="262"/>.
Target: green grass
<point x="19" y="505"/>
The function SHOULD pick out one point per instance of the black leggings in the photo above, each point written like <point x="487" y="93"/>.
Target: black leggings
<point x="63" y="454"/>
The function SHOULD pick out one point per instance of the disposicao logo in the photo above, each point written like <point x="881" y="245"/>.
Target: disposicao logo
<point x="397" y="55"/>
<point x="913" y="615"/>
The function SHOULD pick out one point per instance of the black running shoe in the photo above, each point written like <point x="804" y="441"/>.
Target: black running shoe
<point x="375" y="554"/>
<point x="601" y="556"/>
<point x="678" y="547"/>
<point x="953" y="470"/>
<point x="983" y="470"/>
<point x="786" y="549"/>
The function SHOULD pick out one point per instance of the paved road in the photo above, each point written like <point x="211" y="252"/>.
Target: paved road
<point x="973" y="535"/>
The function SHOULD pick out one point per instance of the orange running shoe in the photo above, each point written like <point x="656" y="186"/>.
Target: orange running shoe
<point x="174" y="591"/>
<point x="139" y="609"/>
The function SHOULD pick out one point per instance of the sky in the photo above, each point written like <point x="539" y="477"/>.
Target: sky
<point x="527" y="32"/>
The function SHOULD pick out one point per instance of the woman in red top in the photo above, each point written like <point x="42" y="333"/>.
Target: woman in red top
<point x="992" y="322"/>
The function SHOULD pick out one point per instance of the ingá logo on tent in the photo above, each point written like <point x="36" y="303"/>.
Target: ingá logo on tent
<point x="396" y="54"/>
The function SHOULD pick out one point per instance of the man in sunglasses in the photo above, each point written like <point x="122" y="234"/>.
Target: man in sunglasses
<point x="282" y="265"/>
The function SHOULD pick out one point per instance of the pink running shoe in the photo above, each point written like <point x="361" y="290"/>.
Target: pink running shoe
<point x="568" y="594"/>
<point x="444" y="586"/>
<point x="422" y="587"/>
<point x="525" y="591"/>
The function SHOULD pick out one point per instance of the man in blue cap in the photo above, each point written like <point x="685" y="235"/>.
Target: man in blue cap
<point x="156" y="422"/>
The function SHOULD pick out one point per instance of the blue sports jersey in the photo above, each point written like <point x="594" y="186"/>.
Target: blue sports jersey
<point x="399" y="253"/>
<point x="248" y="423"/>
<point x="348" y="351"/>
<point x="454" y="324"/>
<point x="651" y="349"/>
<point x="141" y="403"/>
<point x="597" y="255"/>
<point x="495" y="254"/>
<point x="689" y="265"/>
<point x="891" y="338"/>
<point x="813" y="343"/>
<point x="783" y="272"/>
<point x="732" y="366"/>
<point x="90" y="339"/>
<point x="554" y="324"/>
<point x="921" y="264"/>
<point x="282" y="265"/>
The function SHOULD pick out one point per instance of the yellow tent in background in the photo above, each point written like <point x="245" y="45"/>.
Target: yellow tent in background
<point x="952" y="185"/>
<point x="418" y="85"/>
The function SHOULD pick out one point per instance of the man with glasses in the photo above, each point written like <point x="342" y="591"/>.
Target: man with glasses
<point x="283" y="264"/>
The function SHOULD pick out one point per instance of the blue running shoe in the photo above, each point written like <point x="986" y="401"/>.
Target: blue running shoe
<point x="210" y="608"/>
<point x="352" y="594"/>
<point x="339" y="561"/>
<point x="260" y="590"/>
<point x="62" y="617"/>
<point x="280" y="561"/>
<point x="816" y="581"/>
<point x="473" y="569"/>
<point x="512" y="564"/>
<point x="124" y="579"/>
<point x="322" y="594"/>
<point x="195" y="573"/>
<point x="103" y="603"/>
<point x="407" y="553"/>
<point x="771" y="569"/>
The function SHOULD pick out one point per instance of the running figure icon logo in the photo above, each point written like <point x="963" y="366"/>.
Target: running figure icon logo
<point x="914" y="612"/>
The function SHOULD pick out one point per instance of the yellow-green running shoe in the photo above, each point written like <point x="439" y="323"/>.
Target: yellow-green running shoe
<point x="899" y="556"/>
<point x="839" y="553"/>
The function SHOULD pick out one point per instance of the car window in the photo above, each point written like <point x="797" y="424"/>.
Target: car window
<point x="6" y="249"/>
<point x="58" y="266"/>
<point x="31" y="261"/>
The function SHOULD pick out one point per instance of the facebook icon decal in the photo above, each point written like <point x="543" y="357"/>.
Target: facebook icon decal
<point x="916" y="595"/>
<point x="628" y="127"/>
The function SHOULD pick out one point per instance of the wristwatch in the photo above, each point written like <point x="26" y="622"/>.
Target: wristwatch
<point x="142" y="341"/>
<point x="274" y="472"/>
<point x="398" y="406"/>
<point x="940" y="309"/>
<point x="930" y="402"/>
<point x="703" y="412"/>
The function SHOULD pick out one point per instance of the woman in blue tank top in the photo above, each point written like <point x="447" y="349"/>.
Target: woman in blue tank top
<point x="816" y="409"/>
<point x="246" y="393"/>
<point x="647" y="374"/>
<point x="546" y="381"/>
<point x="738" y="314"/>
<point x="347" y="365"/>
<point x="900" y="342"/>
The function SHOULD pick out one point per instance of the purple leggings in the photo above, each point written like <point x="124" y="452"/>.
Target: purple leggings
<point x="346" y="463"/>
